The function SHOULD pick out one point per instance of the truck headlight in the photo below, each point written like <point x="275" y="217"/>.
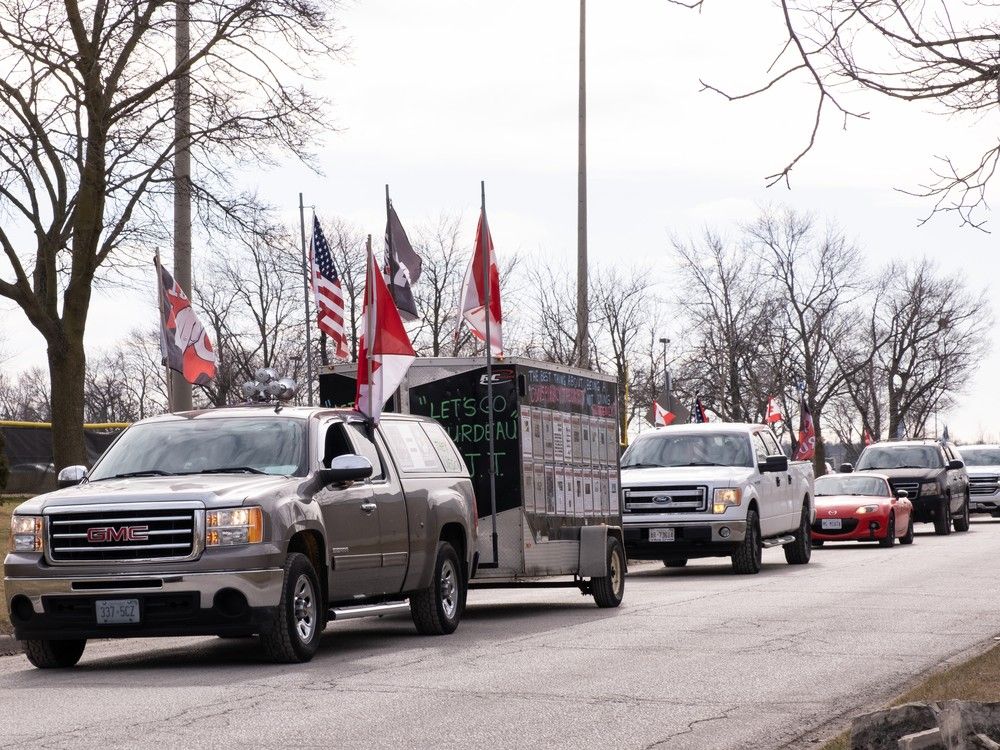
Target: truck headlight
<point x="224" y="528"/>
<point x="726" y="497"/>
<point x="26" y="533"/>
<point x="929" y="488"/>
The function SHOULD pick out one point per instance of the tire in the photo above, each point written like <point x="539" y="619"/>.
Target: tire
<point x="609" y="590"/>
<point x="299" y="624"/>
<point x="799" y="552"/>
<point x="54" y="654"/>
<point x="961" y="522"/>
<point x="942" y="518"/>
<point x="748" y="558"/>
<point x="438" y="609"/>
<point x="675" y="562"/>
<point x="890" y="532"/>
<point x="907" y="538"/>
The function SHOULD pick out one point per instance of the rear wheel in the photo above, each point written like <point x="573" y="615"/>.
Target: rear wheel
<point x="800" y="551"/>
<point x="675" y="562"/>
<point x="942" y="517"/>
<point x="907" y="538"/>
<point x="890" y="532"/>
<point x="748" y="558"/>
<point x="295" y="634"/>
<point x="609" y="590"/>
<point x="961" y="522"/>
<point x="438" y="609"/>
<point x="54" y="654"/>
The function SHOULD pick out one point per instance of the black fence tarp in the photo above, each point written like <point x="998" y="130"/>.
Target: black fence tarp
<point x="28" y="449"/>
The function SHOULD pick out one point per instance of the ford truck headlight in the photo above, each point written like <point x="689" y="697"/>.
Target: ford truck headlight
<point x="929" y="488"/>
<point x="26" y="533"/>
<point x="224" y="528"/>
<point x="726" y="497"/>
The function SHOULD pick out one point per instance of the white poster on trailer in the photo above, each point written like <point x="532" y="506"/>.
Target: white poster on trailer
<point x="528" y="486"/>
<point x="526" y="443"/>
<point x="537" y="443"/>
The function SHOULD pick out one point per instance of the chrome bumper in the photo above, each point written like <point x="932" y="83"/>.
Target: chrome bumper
<point x="262" y="588"/>
<point x="737" y="528"/>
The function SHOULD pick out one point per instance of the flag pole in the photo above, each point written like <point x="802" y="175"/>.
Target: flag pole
<point x="306" y="284"/>
<point x="485" y="245"/>
<point x="369" y="327"/>
<point x="159" y="316"/>
<point x="397" y="399"/>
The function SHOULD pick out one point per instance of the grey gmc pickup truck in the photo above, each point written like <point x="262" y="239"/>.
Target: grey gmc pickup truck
<point x="246" y="520"/>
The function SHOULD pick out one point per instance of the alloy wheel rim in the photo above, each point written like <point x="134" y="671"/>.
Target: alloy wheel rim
<point x="304" y="608"/>
<point x="449" y="589"/>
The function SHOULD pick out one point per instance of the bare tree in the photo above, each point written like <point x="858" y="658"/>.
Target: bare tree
<point x="927" y="51"/>
<point x="25" y="398"/>
<point x="554" y="326"/>
<point x="87" y="142"/>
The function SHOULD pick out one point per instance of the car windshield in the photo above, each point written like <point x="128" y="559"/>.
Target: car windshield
<point x="981" y="456"/>
<point x="688" y="450"/>
<point x="275" y="445"/>
<point x="901" y="457"/>
<point x="848" y="485"/>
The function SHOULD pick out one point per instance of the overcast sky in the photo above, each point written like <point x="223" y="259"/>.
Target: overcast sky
<point x="435" y="96"/>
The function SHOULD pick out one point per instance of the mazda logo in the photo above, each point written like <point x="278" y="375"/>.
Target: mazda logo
<point x="831" y="512"/>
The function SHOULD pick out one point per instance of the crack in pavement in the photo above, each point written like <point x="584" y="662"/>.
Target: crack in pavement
<point x="690" y="728"/>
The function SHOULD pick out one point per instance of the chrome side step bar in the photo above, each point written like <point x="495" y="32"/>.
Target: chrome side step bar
<point x="775" y="541"/>
<point x="367" y="610"/>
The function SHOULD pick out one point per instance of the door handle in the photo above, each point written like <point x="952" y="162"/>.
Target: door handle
<point x="368" y="508"/>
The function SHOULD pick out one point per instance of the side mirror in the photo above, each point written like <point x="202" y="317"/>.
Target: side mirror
<point x="902" y="494"/>
<point x="71" y="475"/>
<point x="955" y="464"/>
<point x="846" y="468"/>
<point x="773" y="464"/>
<point x="345" y="469"/>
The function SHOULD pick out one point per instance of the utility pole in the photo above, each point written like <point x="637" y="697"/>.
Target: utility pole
<point x="180" y="388"/>
<point x="582" y="303"/>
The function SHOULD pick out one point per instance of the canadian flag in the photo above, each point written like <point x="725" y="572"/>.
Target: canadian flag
<point x="385" y="352"/>
<point x="807" y="435"/>
<point x="662" y="417"/>
<point x="867" y="438"/>
<point x="773" y="412"/>
<point x="473" y="304"/>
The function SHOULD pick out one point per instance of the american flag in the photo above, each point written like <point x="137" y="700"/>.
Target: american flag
<point x="328" y="292"/>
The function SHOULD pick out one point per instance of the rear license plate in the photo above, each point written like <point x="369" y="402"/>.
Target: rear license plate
<point x="832" y="523"/>
<point x="116" y="611"/>
<point x="661" y="535"/>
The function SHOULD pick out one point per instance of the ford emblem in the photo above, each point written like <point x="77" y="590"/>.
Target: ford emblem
<point x="662" y="499"/>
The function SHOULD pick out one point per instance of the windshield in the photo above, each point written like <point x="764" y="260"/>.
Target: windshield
<point x="688" y="450"/>
<point x="848" y="485"/>
<point x="901" y="457"/>
<point x="274" y="445"/>
<point x="981" y="456"/>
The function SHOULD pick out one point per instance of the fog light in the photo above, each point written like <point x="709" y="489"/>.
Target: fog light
<point x="724" y="532"/>
<point x="873" y="526"/>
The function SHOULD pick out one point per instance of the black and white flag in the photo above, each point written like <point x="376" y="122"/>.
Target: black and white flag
<point x="402" y="266"/>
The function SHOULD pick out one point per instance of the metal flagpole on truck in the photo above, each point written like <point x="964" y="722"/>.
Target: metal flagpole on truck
<point x="484" y="235"/>
<point x="370" y="323"/>
<point x="306" y="284"/>
<point x="397" y="397"/>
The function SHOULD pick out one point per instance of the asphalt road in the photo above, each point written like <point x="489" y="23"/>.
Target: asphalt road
<point x="694" y="658"/>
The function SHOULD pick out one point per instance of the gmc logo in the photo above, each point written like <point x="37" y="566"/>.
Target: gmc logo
<point x="118" y="534"/>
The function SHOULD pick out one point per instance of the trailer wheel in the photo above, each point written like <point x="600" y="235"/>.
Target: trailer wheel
<point x="437" y="609"/>
<point x="609" y="590"/>
<point x="46" y="654"/>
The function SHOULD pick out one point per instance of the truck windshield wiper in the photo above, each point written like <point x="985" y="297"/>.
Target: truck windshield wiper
<point x="143" y="473"/>
<point x="642" y="466"/>
<point x="704" y="463"/>
<point x="233" y="470"/>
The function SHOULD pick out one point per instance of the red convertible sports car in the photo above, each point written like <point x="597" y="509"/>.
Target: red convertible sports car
<point x="861" y="507"/>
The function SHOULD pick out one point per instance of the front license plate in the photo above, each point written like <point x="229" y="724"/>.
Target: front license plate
<point x="661" y="535"/>
<point x="832" y="523"/>
<point x="116" y="611"/>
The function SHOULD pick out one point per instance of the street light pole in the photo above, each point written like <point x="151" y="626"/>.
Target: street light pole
<point x="180" y="389"/>
<point x="582" y="302"/>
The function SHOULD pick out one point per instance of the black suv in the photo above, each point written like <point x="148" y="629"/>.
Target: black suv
<point x="931" y="472"/>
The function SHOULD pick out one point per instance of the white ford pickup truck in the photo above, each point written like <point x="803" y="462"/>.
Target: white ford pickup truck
<point x="715" y="490"/>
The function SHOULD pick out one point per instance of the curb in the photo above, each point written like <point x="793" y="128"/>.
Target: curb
<point x="9" y="646"/>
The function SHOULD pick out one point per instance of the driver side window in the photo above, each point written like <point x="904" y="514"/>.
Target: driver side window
<point x="759" y="447"/>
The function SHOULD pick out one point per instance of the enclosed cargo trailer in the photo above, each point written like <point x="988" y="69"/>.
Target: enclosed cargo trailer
<point x="556" y="509"/>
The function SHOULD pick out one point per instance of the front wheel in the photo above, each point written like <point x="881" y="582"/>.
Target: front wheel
<point x="748" y="558"/>
<point x="54" y="654"/>
<point x="942" y="517"/>
<point x="438" y="609"/>
<point x="907" y="538"/>
<point x="961" y="522"/>
<point x="609" y="590"/>
<point x="295" y="634"/>
<point x="890" y="532"/>
<point x="799" y="552"/>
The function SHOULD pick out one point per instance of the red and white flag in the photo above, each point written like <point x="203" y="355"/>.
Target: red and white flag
<point x="662" y="417"/>
<point x="472" y="308"/>
<point x="867" y="438"/>
<point x="385" y="349"/>
<point x="773" y="412"/>
<point x="184" y="344"/>
<point x="328" y="292"/>
<point x="807" y="435"/>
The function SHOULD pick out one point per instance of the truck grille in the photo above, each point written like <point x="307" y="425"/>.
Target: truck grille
<point x="113" y="534"/>
<point x="912" y="488"/>
<point x="666" y="499"/>
<point x="984" y="485"/>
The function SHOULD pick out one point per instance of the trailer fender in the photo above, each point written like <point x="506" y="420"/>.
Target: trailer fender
<point x="593" y="551"/>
